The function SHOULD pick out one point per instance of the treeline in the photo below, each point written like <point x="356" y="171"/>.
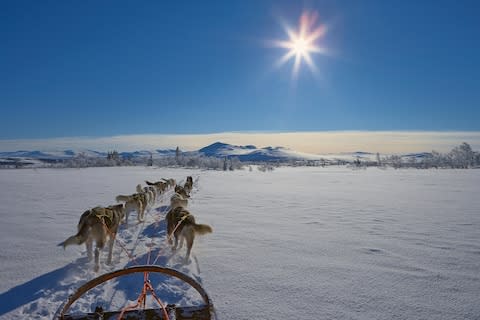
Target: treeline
<point x="113" y="159"/>
<point x="199" y="161"/>
<point x="460" y="157"/>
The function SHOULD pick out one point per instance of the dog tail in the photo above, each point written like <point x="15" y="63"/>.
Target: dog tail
<point x="80" y="237"/>
<point x="120" y="198"/>
<point x="149" y="183"/>
<point x="202" y="229"/>
<point x="139" y="188"/>
<point x="71" y="240"/>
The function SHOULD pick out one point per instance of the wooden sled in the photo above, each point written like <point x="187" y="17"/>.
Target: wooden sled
<point x="202" y="312"/>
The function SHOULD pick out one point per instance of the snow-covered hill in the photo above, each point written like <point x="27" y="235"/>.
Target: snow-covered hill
<point x="217" y="149"/>
<point x="252" y="153"/>
<point x="63" y="154"/>
<point x="220" y="149"/>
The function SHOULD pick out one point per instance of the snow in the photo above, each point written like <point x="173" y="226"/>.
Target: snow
<point x="293" y="243"/>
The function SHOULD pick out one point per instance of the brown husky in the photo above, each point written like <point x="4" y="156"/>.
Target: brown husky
<point x="181" y="225"/>
<point x="188" y="184"/>
<point x="170" y="182"/>
<point x="135" y="202"/>
<point x="97" y="224"/>
<point x="160" y="186"/>
<point x="149" y="194"/>
<point x="177" y="200"/>
<point x="181" y="190"/>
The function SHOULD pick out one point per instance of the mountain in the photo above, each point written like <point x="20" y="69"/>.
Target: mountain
<point x="168" y="152"/>
<point x="51" y="155"/>
<point x="420" y="155"/>
<point x="136" y="154"/>
<point x="220" y="149"/>
<point x="217" y="149"/>
<point x="34" y="154"/>
<point x="252" y="153"/>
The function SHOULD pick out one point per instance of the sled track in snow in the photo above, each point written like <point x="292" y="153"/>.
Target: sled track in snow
<point x="142" y="243"/>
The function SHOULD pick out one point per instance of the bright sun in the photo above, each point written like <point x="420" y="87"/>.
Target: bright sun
<point x="300" y="46"/>
<point x="302" y="43"/>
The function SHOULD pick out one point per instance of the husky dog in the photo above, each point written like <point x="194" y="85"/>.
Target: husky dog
<point x="149" y="195"/>
<point x="188" y="184"/>
<point x="181" y="225"/>
<point x="97" y="224"/>
<point x="135" y="202"/>
<point x="177" y="200"/>
<point x="160" y="186"/>
<point x="153" y="193"/>
<point x="181" y="190"/>
<point x="170" y="182"/>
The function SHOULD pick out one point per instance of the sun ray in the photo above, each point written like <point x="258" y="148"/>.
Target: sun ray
<point x="283" y="44"/>
<point x="310" y="63"/>
<point x="285" y="58"/>
<point x="302" y="43"/>
<point x="296" y="66"/>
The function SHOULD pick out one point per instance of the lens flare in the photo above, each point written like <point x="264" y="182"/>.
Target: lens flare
<point x="302" y="43"/>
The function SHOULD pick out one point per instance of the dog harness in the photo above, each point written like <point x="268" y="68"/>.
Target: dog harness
<point x="106" y="213"/>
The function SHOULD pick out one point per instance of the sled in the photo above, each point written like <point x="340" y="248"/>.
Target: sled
<point x="202" y="312"/>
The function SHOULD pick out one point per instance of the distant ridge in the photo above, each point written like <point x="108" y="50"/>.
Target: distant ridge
<point x="217" y="149"/>
<point x="220" y="149"/>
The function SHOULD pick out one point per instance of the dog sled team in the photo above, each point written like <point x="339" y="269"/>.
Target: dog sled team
<point x="100" y="224"/>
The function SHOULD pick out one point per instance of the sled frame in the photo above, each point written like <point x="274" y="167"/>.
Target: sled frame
<point x="204" y="312"/>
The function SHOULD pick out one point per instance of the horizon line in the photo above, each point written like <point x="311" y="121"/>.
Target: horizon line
<point x="314" y="142"/>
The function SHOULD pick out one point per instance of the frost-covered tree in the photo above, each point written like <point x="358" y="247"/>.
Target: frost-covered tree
<point x="265" y="166"/>
<point x="395" y="161"/>
<point x="225" y="164"/>
<point x="379" y="162"/>
<point x="477" y="159"/>
<point x="150" y="160"/>
<point x="437" y="159"/>
<point x="462" y="156"/>
<point x="177" y="155"/>
<point x="235" y="163"/>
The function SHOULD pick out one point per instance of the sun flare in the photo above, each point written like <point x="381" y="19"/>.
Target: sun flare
<point x="300" y="46"/>
<point x="302" y="43"/>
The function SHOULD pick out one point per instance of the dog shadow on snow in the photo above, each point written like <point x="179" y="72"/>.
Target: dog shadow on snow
<point x="54" y="287"/>
<point x="155" y="230"/>
<point x="44" y="286"/>
<point x="168" y="288"/>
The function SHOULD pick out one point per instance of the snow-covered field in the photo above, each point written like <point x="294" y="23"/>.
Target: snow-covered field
<point x="294" y="243"/>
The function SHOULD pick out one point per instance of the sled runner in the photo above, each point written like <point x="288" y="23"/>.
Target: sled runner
<point x="138" y="311"/>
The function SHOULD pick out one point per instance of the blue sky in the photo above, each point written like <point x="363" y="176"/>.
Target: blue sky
<point x="108" y="68"/>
